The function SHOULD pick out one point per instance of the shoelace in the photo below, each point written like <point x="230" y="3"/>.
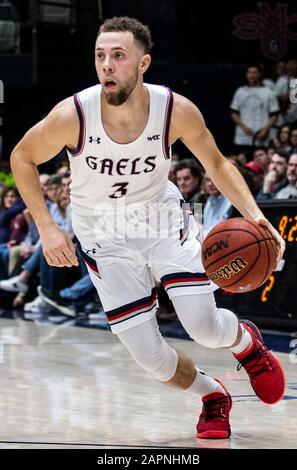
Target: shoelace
<point x="215" y="408"/>
<point x="257" y="362"/>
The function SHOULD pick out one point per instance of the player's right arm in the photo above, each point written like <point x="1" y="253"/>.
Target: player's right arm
<point x="40" y="144"/>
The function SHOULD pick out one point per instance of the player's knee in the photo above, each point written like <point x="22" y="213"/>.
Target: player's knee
<point x="220" y="331"/>
<point x="160" y="362"/>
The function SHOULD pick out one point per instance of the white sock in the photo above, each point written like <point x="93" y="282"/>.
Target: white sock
<point x="204" y="385"/>
<point x="245" y="342"/>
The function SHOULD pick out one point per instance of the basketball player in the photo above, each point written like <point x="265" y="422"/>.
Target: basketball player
<point x="118" y="136"/>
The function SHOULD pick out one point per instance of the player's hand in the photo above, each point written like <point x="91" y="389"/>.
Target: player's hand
<point x="280" y="243"/>
<point x="58" y="249"/>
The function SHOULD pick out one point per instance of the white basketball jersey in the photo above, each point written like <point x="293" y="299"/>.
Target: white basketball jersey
<point x="104" y="171"/>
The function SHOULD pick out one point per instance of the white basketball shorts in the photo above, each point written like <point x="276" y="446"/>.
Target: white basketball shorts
<point x="127" y="252"/>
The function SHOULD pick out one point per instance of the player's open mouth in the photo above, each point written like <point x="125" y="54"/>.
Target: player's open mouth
<point x="109" y="84"/>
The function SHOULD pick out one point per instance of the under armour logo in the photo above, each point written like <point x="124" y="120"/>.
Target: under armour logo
<point x="93" y="250"/>
<point x="92" y="139"/>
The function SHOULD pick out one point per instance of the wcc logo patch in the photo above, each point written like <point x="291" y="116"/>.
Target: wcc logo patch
<point x="154" y="137"/>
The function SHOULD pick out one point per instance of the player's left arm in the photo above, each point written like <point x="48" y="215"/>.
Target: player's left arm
<point x="188" y="125"/>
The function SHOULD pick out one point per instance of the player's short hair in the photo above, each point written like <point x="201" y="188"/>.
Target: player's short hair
<point x="140" y="31"/>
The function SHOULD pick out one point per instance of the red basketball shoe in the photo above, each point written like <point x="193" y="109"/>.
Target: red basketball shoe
<point x="214" y="419"/>
<point x="266" y="373"/>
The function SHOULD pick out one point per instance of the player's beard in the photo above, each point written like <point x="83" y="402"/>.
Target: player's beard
<point x="116" y="98"/>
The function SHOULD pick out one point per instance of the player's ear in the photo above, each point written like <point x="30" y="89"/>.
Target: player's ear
<point x="144" y="63"/>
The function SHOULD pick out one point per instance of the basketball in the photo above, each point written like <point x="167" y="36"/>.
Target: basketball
<point x="239" y="255"/>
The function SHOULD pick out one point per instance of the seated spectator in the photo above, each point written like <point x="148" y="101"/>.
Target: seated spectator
<point x="43" y="180"/>
<point x="10" y="206"/>
<point x="53" y="184"/>
<point x="261" y="156"/>
<point x="282" y="139"/>
<point x="271" y="151"/>
<point x="66" y="181"/>
<point x="9" y="230"/>
<point x="242" y="157"/>
<point x="20" y="282"/>
<point x="290" y="191"/>
<point x="70" y="299"/>
<point x="59" y="213"/>
<point x="276" y="178"/>
<point x="256" y="174"/>
<point x="63" y="170"/>
<point x="293" y="140"/>
<point x="188" y="179"/>
<point x="217" y="207"/>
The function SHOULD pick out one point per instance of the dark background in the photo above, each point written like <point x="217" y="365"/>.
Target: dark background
<point x="201" y="50"/>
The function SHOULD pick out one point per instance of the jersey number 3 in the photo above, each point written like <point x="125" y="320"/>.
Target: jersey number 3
<point x="120" y="191"/>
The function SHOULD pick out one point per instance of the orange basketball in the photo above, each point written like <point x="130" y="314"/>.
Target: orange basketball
<point x="239" y="255"/>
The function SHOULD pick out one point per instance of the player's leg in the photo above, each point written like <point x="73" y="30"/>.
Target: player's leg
<point x="177" y="263"/>
<point x="161" y="361"/>
<point x="205" y="323"/>
<point x="217" y="327"/>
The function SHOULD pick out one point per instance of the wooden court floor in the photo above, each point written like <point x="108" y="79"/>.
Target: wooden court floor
<point x="69" y="387"/>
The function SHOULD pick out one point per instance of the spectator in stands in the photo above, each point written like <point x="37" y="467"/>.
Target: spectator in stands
<point x="282" y="139"/>
<point x="43" y="179"/>
<point x="284" y="87"/>
<point x="63" y="170"/>
<point x="10" y="207"/>
<point x="174" y="161"/>
<point x="255" y="172"/>
<point x="276" y="178"/>
<point x="71" y="299"/>
<point x="20" y="282"/>
<point x="188" y="179"/>
<point x="254" y="109"/>
<point x="243" y="157"/>
<point x="293" y="140"/>
<point x="217" y="207"/>
<point x="280" y="70"/>
<point x="66" y="181"/>
<point x="261" y="156"/>
<point x="290" y="191"/>
<point x="53" y="185"/>
<point x="58" y="211"/>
